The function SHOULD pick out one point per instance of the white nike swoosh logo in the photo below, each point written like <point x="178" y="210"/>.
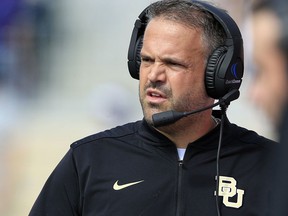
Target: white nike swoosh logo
<point x="116" y="186"/>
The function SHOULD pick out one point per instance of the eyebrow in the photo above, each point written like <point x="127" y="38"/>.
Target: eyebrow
<point x="164" y="59"/>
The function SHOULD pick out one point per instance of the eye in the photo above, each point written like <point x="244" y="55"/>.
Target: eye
<point x="146" y="59"/>
<point x="173" y="63"/>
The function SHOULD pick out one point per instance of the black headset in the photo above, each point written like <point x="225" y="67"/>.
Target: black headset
<point x="224" y="70"/>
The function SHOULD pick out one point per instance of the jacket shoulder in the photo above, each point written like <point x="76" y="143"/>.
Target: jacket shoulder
<point x="114" y="133"/>
<point x="251" y="137"/>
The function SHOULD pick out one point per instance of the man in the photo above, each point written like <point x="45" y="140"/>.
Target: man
<point x="270" y="89"/>
<point x="190" y="54"/>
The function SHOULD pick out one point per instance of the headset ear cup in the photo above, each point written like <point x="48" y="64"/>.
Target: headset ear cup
<point x="211" y="74"/>
<point x="139" y="45"/>
<point x="134" y="63"/>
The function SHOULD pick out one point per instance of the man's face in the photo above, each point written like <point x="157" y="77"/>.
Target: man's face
<point x="269" y="90"/>
<point x="172" y="69"/>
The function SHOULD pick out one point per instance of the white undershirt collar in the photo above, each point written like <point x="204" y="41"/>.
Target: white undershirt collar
<point x="181" y="153"/>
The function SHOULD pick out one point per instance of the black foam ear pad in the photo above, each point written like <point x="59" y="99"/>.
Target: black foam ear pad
<point x="211" y="76"/>
<point x="136" y="43"/>
<point x="136" y="64"/>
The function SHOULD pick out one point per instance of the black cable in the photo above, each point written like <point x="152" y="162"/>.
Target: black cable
<point x="223" y="109"/>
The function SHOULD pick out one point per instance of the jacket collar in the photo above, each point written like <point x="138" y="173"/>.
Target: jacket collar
<point x="209" y="140"/>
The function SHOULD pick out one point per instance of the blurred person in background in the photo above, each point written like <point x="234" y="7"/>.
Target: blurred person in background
<point x="24" y="42"/>
<point x="178" y="51"/>
<point x="24" y="38"/>
<point x="270" y="88"/>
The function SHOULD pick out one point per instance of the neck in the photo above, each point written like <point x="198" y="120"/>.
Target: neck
<point x="189" y="129"/>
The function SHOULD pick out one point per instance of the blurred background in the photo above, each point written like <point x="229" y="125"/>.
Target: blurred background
<point x="63" y="76"/>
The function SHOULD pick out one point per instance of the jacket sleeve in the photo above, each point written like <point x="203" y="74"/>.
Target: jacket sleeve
<point x="60" y="195"/>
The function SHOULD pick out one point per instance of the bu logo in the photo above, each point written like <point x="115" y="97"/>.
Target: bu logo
<point x="232" y="197"/>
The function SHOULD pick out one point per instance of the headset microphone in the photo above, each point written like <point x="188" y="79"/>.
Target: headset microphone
<point x="171" y="116"/>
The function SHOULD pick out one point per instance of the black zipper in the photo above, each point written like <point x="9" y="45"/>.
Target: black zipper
<point x="179" y="189"/>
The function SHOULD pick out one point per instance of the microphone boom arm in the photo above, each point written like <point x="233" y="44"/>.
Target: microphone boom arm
<point x="171" y="116"/>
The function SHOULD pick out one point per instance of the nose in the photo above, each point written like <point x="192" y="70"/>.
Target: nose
<point x="157" y="72"/>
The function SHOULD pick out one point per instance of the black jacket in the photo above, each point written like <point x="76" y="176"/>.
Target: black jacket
<point x="93" y="179"/>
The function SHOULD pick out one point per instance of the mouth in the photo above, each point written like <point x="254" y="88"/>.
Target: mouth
<point x="155" y="96"/>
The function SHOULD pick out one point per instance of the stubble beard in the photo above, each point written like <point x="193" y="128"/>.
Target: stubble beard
<point x="149" y="108"/>
<point x="182" y="104"/>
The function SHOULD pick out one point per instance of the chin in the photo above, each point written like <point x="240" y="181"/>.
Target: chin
<point x="149" y="110"/>
<point x="148" y="116"/>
